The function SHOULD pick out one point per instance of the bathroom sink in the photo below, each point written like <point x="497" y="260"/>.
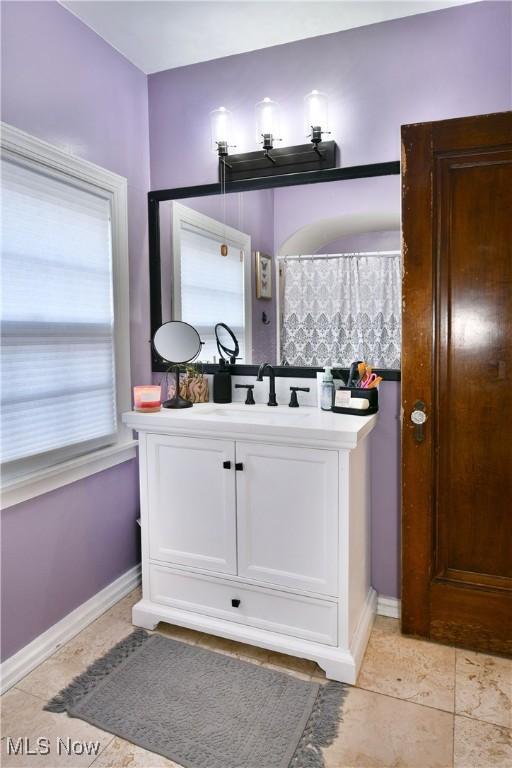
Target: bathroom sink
<point x="263" y="411"/>
<point x="261" y="414"/>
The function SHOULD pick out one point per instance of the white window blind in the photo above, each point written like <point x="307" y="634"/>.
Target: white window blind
<point x="212" y="286"/>
<point x="57" y="317"/>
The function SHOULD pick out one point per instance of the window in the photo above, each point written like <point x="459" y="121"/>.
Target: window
<point x="210" y="288"/>
<point x="64" y="324"/>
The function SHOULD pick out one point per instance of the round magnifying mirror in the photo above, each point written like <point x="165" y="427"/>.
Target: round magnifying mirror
<point x="227" y="342"/>
<point x="177" y="342"/>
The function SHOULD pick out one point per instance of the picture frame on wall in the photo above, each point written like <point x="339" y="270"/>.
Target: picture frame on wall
<point x="263" y="275"/>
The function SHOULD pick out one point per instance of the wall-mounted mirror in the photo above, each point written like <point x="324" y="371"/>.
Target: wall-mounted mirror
<point x="333" y="252"/>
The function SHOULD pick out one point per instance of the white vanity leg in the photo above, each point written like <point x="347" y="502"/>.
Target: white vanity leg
<point x="338" y="670"/>
<point x="141" y="617"/>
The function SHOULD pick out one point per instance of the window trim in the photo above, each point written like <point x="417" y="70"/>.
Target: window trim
<point x="17" y="144"/>
<point x="183" y="214"/>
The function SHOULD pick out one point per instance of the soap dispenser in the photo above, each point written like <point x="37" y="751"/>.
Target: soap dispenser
<point x="222" y="383"/>
<point x="327" y="390"/>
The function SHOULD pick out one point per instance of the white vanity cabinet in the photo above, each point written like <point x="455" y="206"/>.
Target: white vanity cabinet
<point x="255" y="527"/>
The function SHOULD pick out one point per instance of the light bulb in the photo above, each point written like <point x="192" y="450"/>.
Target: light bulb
<point x="267" y="120"/>
<point x="315" y="112"/>
<point x="220" y="122"/>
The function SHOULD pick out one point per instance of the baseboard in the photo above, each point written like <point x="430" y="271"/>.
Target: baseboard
<point x="388" y="606"/>
<point x="28" y="658"/>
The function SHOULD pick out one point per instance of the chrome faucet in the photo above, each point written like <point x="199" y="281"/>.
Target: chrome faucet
<point x="272" y="377"/>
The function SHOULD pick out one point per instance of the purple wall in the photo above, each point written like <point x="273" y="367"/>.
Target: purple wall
<point x="64" y="84"/>
<point x="427" y="67"/>
<point x="61" y="548"/>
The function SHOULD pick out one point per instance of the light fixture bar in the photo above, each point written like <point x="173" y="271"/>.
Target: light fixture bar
<point x="296" y="159"/>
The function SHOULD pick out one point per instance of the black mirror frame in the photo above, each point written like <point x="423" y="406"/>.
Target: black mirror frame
<point x="391" y="168"/>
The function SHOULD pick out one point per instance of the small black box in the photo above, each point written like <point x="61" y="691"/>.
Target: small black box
<point x="372" y="395"/>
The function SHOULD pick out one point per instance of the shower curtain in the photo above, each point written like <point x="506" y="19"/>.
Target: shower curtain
<point x="340" y="308"/>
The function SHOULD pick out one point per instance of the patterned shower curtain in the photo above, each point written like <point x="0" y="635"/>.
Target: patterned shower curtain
<point x="341" y="308"/>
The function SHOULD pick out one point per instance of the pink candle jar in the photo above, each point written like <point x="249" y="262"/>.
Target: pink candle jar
<point x="146" y="398"/>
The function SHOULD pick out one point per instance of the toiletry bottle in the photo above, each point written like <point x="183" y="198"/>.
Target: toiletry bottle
<point x="327" y="390"/>
<point x="222" y="383"/>
<point x="319" y="381"/>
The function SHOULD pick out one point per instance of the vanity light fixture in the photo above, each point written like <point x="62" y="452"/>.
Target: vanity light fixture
<point x="267" y="125"/>
<point x="301" y="158"/>
<point x="316" y="117"/>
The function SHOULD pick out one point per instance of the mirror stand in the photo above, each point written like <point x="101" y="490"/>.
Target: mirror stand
<point x="177" y="401"/>
<point x="177" y="343"/>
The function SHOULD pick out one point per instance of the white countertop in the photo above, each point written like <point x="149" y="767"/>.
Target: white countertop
<point x="304" y="424"/>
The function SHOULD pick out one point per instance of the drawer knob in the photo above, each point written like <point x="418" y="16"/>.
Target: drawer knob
<point x="235" y="602"/>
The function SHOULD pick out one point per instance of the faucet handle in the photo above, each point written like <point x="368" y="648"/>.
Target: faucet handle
<point x="294" y="403"/>
<point x="249" y="400"/>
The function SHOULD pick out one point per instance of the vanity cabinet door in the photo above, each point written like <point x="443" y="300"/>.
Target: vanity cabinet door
<point x="287" y="501"/>
<point x="191" y="502"/>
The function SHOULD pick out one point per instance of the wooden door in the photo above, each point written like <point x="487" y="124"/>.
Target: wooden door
<point x="192" y="512"/>
<point x="457" y="367"/>
<point x="287" y="505"/>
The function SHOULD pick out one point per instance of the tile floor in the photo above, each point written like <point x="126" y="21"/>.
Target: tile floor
<point x="416" y="704"/>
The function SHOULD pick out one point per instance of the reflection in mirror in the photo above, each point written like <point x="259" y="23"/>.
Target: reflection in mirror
<point x="227" y="343"/>
<point x="342" y="306"/>
<point x="207" y="286"/>
<point x="335" y="260"/>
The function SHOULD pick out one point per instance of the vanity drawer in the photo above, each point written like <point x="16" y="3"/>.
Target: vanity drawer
<point x="283" y="612"/>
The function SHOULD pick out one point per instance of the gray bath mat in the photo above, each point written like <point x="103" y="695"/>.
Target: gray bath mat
<point x="203" y="709"/>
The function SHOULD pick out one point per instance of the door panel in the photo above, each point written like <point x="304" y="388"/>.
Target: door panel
<point x="287" y="500"/>
<point x="457" y="358"/>
<point x="192" y="514"/>
<point x="475" y="353"/>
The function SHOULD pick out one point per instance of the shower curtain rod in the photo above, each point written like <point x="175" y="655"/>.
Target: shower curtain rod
<point x="337" y="255"/>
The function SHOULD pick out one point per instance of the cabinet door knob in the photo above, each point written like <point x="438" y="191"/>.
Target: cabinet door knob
<point x="226" y="464"/>
<point x="235" y="602"/>
<point x="239" y="466"/>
